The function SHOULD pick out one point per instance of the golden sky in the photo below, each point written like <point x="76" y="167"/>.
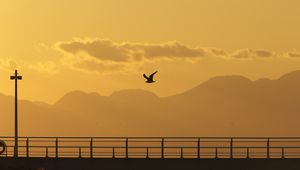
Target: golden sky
<point x="106" y="45"/>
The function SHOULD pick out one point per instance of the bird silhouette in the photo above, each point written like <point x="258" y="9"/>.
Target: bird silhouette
<point x="150" y="78"/>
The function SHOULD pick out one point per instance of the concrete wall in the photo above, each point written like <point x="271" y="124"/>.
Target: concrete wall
<point x="147" y="164"/>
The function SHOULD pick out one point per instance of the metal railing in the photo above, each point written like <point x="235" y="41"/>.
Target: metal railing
<point x="155" y="147"/>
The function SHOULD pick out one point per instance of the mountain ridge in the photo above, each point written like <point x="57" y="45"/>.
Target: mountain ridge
<point x="221" y="106"/>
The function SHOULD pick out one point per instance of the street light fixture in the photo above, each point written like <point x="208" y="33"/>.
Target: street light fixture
<point x="16" y="77"/>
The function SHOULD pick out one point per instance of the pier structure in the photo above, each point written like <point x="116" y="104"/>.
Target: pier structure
<point x="154" y="147"/>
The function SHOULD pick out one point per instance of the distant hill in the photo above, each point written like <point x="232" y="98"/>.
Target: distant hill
<point x="221" y="106"/>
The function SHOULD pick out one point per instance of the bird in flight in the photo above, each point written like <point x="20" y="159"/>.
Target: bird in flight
<point x="150" y="78"/>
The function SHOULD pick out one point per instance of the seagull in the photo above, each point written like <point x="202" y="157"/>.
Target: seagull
<point x="150" y="78"/>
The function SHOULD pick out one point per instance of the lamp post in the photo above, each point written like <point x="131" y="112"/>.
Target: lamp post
<point x="16" y="77"/>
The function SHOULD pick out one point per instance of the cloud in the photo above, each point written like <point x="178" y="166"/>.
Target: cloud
<point x="49" y="67"/>
<point x="293" y="54"/>
<point x="171" y="50"/>
<point x="263" y="53"/>
<point x="9" y="65"/>
<point x="97" y="66"/>
<point x="101" y="49"/>
<point x="251" y="54"/>
<point x="107" y="50"/>
<point x="91" y="65"/>
<point x="242" y="53"/>
<point x="104" y="55"/>
<point x="218" y="52"/>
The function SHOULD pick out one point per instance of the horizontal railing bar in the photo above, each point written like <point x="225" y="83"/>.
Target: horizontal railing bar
<point x="154" y="137"/>
<point x="157" y="140"/>
<point x="144" y="140"/>
<point x="166" y="141"/>
<point x="166" y="147"/>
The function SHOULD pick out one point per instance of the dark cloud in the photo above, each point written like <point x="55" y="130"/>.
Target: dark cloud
<point x="242" y="54"/>
<point x="263" y="53"/>
<point x="100" y="49"/>
<point x="293" y="54"/>
<point x="107" y="50"/>
<point x="219" y="52"/>
<point x="100" y="55"/>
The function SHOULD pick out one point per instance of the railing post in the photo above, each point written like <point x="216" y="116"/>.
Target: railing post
<point x="79" y="152"/>
<point x="27" y="148"/>
<point x="198" y="148"/>
<point x="126" y="148"/>
<point x="181" y="152"/>
<point x="216" y="152"/>
<point x="268" y="148"/>
<point x="47" y="152"/>
<point x="91" y="148"/>
<point x="113" y="152"/>
<point x="162" y="148"/>
<point x="56" y="148"/>
<point x="282" y="152"/>
<point x="147" y="154"/>
<point x="248" y="153"/>
<point x="231" y="148"/>
<point x="6" y="151"/>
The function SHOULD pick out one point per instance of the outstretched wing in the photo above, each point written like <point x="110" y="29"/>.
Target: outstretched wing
<point x="151" y="76"/>
<point x="145" y="76"/>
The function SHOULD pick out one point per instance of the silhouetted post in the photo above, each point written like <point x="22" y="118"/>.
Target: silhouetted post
<point x="91" y="148"/>
<point x="79" y="152"/>
<point x="198" y="148"/>
<point x="282" y="152"/>
<point x="248" y="153"/>
<point x="113" y="152"/>
<point x="268" y="148"/>
<point x="27" y="148"/>
<point x="162" y="148"/>
<point x="56" y="148"/>
<point x="16" y="77"/>
<point x="47" y="152"/>
<point x="231" y="148"/>
<point x="181" y="152"/>
<point x="126" y="147"/>
<point x="147" y="156"/>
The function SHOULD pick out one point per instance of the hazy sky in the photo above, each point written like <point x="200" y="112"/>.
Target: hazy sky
<point x="106" y="45"/>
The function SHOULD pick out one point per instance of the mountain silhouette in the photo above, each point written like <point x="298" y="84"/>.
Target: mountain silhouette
<point x="221" y="106"/>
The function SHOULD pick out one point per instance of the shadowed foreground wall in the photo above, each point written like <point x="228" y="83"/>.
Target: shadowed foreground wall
<point x="147" y="164"/>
